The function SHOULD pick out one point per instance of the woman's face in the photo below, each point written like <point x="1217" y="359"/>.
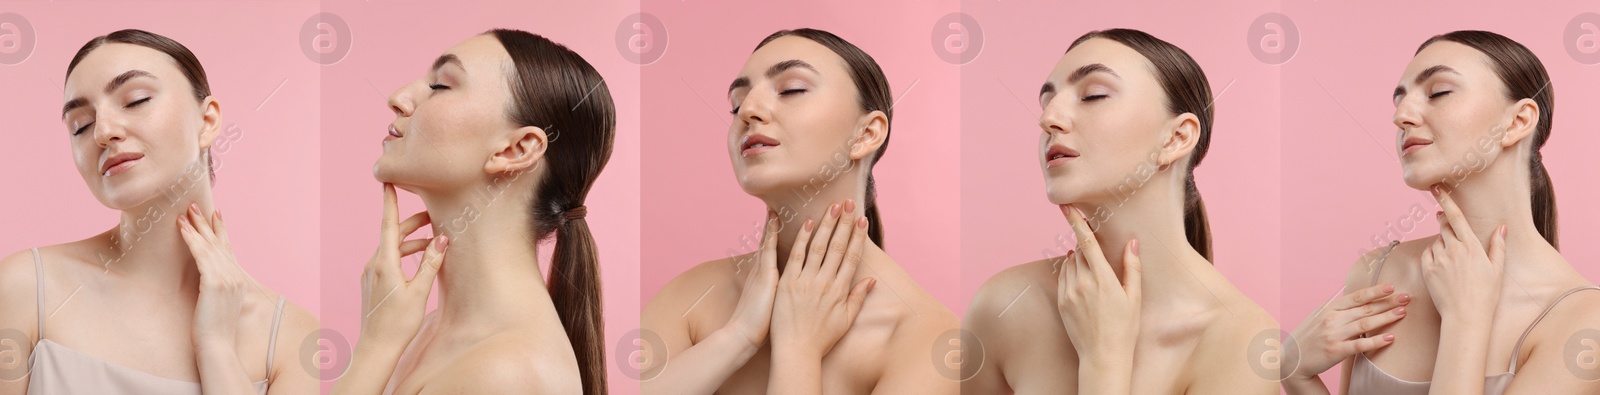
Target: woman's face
<point x="796" y="118"/>
<point x="446" y="123"/>
<point x="1450" y="108"/>
<point x="1103" y="122"/>
<point x="136" y="128"/>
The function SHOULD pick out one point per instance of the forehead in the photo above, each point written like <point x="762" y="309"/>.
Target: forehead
<point x="796" y="48"/>
<point x="1128" y="63"/>
<point x="109" y="60"/>
<point x="1464" y="59"/>
<point x="481" y="55"/>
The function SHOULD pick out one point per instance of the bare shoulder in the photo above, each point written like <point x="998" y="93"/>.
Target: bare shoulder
<point x="1384" y="259"/>
<point x="509" y="362"/>
<point x="1000" y="291"/>
<point x="720" y="272"/>
<point x="1223" y="360"/>
<point x="18" y="300"/>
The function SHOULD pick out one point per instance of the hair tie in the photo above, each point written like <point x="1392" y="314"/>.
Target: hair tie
<point x="574" y="213"/>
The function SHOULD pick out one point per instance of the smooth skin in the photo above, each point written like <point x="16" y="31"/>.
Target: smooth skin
<point x="166" y="274"/>
<point x="1478" y="284"/>
<point x="735" y="325"/>
<point x="495" y="329"/>
<point x="1117" y="316"/>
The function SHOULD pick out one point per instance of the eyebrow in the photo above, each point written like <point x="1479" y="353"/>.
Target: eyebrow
<point x="447" y="59"/>
<point x="1079" y="74"/>
<point x="1400" y="90"/>
<point x="110" y="87"/>
<point x="744" y="82"/>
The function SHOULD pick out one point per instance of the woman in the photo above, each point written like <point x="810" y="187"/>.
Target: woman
<point x="140" y="118"/>
<point x="805" y="100"/>
<point x="502" y="140"/>
<point x="1473" y="109"/>
<point x="1126" y="119"/>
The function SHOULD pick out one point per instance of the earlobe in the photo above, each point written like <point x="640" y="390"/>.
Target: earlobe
<point x="524" y="148"/>
<point x="1524" y="120"/>
<point x="874" y="130"/>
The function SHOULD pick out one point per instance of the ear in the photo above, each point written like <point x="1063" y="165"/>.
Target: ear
<point x="1524" y="120"/>
<point x="874" y="129"/>
<point x="524" y="148"/>
<point x="211" y="121"/>
<point x="1181" y="135"/>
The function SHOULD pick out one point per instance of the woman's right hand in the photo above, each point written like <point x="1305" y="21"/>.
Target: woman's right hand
<point x="752" y="317"/>
<point x="392" y="306"/>
<point x="1332" y="334"/>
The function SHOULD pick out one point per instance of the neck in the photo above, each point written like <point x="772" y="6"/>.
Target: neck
<point x="146" y="246"/>
<point x="796" y="205"/>
<point x="1486" y="202"/>
<point x="490" y="274"/>
<point x="1153" y="214"/>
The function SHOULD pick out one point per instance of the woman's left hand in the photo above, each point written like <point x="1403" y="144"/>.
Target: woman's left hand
<point x="1101" y="313"/>
<point x="223" y="284"/>
<point x="816" y="303"/>
<point x="1462" y="277"/>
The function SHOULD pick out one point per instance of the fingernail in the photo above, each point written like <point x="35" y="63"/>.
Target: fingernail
<point x="1404" y="298"/>
<point x="1388" y="338"/>
<point x="1388" y="288"/>
<point x="441" y="242"/>
<point x="1400" y="311"/>
<point x="807" y="227"/>
<point x="219" y="214"/>
<point x="1502" y="231"/>
<point x="1435" y="190"/>
<point x="1135" y="246"/>
<point x="861" y="223"/>
<point x="833" y="210"/>
<point x="849" y="205"/>
<point x="872" y="283"/>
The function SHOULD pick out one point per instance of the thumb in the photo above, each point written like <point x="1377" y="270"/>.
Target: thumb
<point x="432" y="260"/>
<point x="1132" y="270"/>
<point x="1497" y="247"/>
<point x="858" y="295"/>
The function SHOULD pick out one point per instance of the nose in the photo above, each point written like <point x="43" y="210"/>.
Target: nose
<point x="1406" y="115"/>
<point x="107" y="131"/>
<point x="755" y="109"/>
<point x="403" y="101"/>
<point x="1053" y="120"/>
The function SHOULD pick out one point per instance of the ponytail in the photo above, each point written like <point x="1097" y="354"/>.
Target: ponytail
<point x="575" y="290"/>
<point x="874" y="225"/>
<point x="1544" y="200"/>
<point x="1195" y="226"/>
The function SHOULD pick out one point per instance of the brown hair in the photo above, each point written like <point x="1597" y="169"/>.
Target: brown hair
<point x="874" y="92"/>
<point x="1525" y="78"/>
<point x="187" y="63"/>
<point x="555" y="89"/>
<point x="1187" y="91"/>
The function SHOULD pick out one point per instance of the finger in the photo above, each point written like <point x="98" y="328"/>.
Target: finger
<point x="1088" y="246"/>
<point x="1457" y="220"/>
<point x="432" y="260"/>
<point x="767" y="257"/>
<point x="201" y="223"/>
<point x="797" y="251"/>
<point x="414" y="222"/>
<point x="1363" y="296"/>
<point x="839" y="244"/>
<point x="1439" y="251"/>
<point x="853" y="254"/>
<point x="389" y="234"/>
<point x="414" y="246"/>
<point x="1447" y="233"/>
<point x="1497" y="247"/>
<point x="1132" y="271"/>
<point x="818" y="250"/>
<point x="218" y="228"/>
<point x="858" y="295"/>
<point x="1365" y="344"/>
<point x="1061" y="274"/>
<point x="1371" y="322"/>
<point x="1426" y="259"/>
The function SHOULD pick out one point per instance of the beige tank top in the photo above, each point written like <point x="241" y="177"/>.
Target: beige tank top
<point x="56" y="369"/>
<point x="1367" y="378"/>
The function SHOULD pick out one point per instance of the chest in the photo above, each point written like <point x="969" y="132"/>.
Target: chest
<point x="854" y="365"/>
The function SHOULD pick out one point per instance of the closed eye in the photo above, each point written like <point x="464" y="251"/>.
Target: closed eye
<point x="1436" y="95"/>
<point x="136" y="103"/>
<point x="438" y="87"/>
<point x="1090" y="98"/>
<point x="787" y="92"/>
<point x="83" y="128"/>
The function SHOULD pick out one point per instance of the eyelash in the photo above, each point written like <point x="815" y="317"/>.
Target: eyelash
<point x="1436" y="95"/>
<point x="438" y="87"/>
<point x="784" y="92"/>
<point x="1091" y="98"/>
<point x="135" y="103"/>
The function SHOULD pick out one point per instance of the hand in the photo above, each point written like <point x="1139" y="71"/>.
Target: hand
<point x="752" y="317"/>
<point x="1101" y="314"/>
<point x="1462" y="278"/>
<point x="222" y="282"/>
<point x="1331" y="335"/>
<point x="392" y="307"/>
<point x="815" y="302"/>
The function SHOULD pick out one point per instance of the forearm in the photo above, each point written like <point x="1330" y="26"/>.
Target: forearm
<point x="1295" y="385"/>
<point x="1105" y="376"/>
<point x="795" y="372"/>
<point x="701" y="368"/>
<point x="221" y="372"/>
<point x="1460" y="367"/>
<point x="370" y="369"/>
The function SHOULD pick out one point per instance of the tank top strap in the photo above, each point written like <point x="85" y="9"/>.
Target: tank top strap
<point x="1378" y="266"/>
<point x="272" y="342"/>
<point x="1518" y="349"/>
<point x="38" y="270"/>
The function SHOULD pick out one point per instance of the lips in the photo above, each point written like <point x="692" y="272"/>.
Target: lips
<point x="394" y="133"/>
<point x="755" y="143"/>
<point x="1058" y="155"/>
<point x="118" y="163"/>
<point x="1414" y="143"/>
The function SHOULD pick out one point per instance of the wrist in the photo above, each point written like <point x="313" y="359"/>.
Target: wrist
<point x="741" y="343"/>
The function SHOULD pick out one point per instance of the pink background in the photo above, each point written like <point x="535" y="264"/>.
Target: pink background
<point x="692" y="186"/>
<point x="266" y="181"/>
<point x="1341" y="189"/>
<point x="393" y="44"/>
<point x="1006" y="218"/>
